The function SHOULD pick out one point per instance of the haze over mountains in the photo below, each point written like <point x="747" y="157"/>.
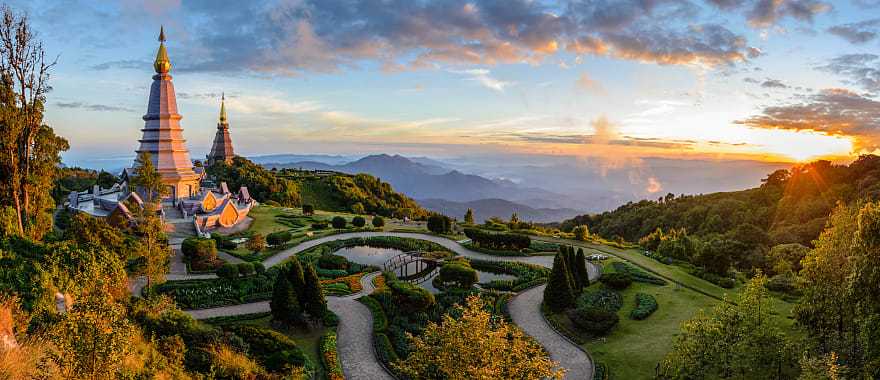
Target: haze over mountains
<point x="541" y="189"/>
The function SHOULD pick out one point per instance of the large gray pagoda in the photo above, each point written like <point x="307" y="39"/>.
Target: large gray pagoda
<point x="222" y="148"/>
<point x="163" y="135"/>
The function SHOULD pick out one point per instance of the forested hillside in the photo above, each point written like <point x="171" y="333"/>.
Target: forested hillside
<point x="791" y="206"/>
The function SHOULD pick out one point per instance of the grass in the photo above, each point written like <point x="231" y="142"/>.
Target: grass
<point x="307" y="340"/>
<point x="634" y="348"/>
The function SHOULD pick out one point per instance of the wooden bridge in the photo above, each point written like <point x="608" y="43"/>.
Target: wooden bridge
<point x="400" y="264"/>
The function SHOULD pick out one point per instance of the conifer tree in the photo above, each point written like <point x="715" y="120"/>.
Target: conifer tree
<point x="313" y="300"/>
<point x="284" y="304"/>
<point x="582" y="267"/>
<point x="295" y="277"/>
<point x="558" y="294"/>
<point x="571" y="267"/>
<point x="469" y="216"/>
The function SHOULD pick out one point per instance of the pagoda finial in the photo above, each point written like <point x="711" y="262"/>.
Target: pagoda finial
<point x="223" y="108"/>
<point x="162" y="63"/>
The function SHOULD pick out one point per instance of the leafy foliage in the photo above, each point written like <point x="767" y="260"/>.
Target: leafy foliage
<point x="341" y="192"/>
<point x="646" y="305"/>
<point x="498" y="240"/>
<point x="616" y="280"/>
<point x="559" y="295"/>
<point x="439" y="224"/>
<point x="262" y="184"/>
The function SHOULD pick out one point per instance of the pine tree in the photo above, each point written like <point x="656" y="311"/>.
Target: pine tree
<point x="582" y="267"/>
<point x="295" y="277"/>
<point x="469" y="216"/>
<point x="313" y="300"/>
<point x="284" y="304"/>
<point x="571" y="267"/>
<point x="558" y="294"/>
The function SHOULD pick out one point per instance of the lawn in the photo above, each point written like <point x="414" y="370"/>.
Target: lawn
<point x="307" y="340"/>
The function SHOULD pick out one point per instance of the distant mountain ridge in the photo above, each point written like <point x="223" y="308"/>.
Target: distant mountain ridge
<point x="486" y="208"/>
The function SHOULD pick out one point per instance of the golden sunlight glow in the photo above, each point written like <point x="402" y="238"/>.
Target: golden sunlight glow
<point x="805" y="146"/>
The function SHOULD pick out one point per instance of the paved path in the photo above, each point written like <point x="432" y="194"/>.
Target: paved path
<point x="354" y="335"/>
<point x="525" y="311"/>
<point x="355" y="330"/>
<point x="229" y="258"/>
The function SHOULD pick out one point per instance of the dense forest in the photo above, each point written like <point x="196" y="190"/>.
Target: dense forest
<point x="790" y="206"/>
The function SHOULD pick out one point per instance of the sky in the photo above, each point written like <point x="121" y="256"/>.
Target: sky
<point x="769" y="80"/>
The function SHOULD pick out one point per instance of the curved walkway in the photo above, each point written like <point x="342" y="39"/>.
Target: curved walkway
<point x="355" y="341"/>
<point x="354" y="335"/>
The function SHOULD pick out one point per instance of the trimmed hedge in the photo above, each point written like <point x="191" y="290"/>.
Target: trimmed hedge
<point x="616" y="280"/>
<point x="593" y="320"/>
<point x="646" y="305"/>
<point x="338" y="222"/>
<point x="637" y="274"/>
<point x="384" y="349"/>
<point x="498" y="241"/>
<point x="278" y="238"/>
<point x="380" y="321"/>
<point x="605" y="299"/>
<point x="358" y="221"/>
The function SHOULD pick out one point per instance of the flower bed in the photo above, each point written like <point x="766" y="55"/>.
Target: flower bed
<point x="353" y="282"/>
<point x="330" y="357"/>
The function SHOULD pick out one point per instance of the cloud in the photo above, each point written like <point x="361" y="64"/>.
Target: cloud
<point x="859" y="69"/>
<point x="835" y="112"/>
<point x="857" y="32"/>
<point x="122" y="64"/>
<point x="773" y="83"/>
<point x="290" y="38"/>
<point x="586" y="83"/>
<point x="766" y="13"/>
<point x="484" y="78"/>
<point x="93" y="107"/>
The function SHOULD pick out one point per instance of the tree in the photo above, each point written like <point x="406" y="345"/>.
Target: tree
<point x="734" y="341"/>
<point x="106" y="180"/>
<point x="581" y="233"/>
<point x="439" y="224"/>
<point x="313" y="301"/>
<point x="786" y="258"/>
<point x="469" y="216"/>
<point x="581" y="266"/>
<point x="358" y="208"/>
<point x="338" y="222"/>
<point x="559" y="295"/>
<point x="475" y="346"/>
<point x="29" y="150"/>
<point x="308" y="210"/>
<point x="514" y="220"/>
<point x="278" y="238"/>
<point x="151" y="232"/>
<point x="147" y="179"/>
<point x="378" y="221"/>
<point x="284" y="304"/>
<point x="296" y="276"/>
<point x="256" y="243"/>
<point x="358" y="221"/>
<point x="92" y="340"/>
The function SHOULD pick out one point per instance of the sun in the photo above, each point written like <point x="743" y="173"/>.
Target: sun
<point x="804" y="146"/>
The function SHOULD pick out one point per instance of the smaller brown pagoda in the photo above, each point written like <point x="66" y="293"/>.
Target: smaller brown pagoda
<point x="222" y="148"/>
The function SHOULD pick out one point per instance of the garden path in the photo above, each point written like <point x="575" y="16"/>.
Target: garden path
<point x="356" y="320"/>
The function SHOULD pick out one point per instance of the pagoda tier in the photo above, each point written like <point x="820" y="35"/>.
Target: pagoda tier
<point x="222" y="148"/>
<point x="163" y="135"/>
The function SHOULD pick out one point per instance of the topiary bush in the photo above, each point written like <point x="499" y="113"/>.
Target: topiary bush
<point x="378" y="221"/>
<point x="458" y="274"/>
<point x="227" y="271"/>
<point x="646" y="305"/>
<point x="331" y="261"/>
<point x="338" y="222"/>
<point x="358" y="221"/>
<point x="602" y="298"/>
<point x="593" y="320"/>
<point x="245" y="269"/>
<point x="616" y="280"/>
<point x="278" y="238"/>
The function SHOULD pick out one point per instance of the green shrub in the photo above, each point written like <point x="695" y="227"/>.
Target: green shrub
<point x="198" y="250"/>
<point x="410" y="298"/>
<point x="380" y="321"/>
<point x="331" y="273"/>
<point x="278" y="238"/>
<point x="616" y="280"/>
<point x="637" y="274"/>
<point x="319" y="225"/>
<point x="594" y="321"/>
<point x="308" y="210"/>
<point x="331" y="261"/>
<point x="458" y="274"/>
<point x="223" y="242"/>
<point x="330" y="319"/>
<point x="722" y="281"/>
<point x="378" y="222"/>
<point x="245" y="269"/>
<point x="259" y="268"/>
<point x="270" y="348"/>
<point x="358" y="221"/>
<point x="439" y="224"/>
<point x="498" y="241"/>
<point x="646" y="304"/>
<point x="338" y="222"/>
<point x="227" y="271"/>
<point x="384" y="349"/>
<point x="602" y="298"/>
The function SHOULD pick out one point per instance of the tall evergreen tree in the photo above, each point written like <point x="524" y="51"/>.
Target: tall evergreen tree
<point x="571" y="266"/>
<point x="284" y="304"/>
<point x="558" y="294"/>
<point x="295" y="276"/>
<point x="469" y="216"/>
<point x="582" y="267"/>
<point x="313" y="301"/>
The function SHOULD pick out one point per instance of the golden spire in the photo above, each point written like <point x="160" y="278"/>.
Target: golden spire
<point x="162" y="64"/>
<point x="223" y="108"/>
